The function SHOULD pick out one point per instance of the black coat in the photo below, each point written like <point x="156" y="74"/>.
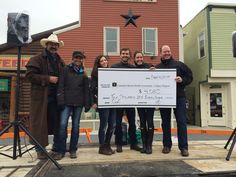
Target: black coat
<point x="122" y="65"/>
<point x="73" y="88"/>
<point x="182" y="70"/>
<point x="94" y="90"/>
<point x="144" y="66"/>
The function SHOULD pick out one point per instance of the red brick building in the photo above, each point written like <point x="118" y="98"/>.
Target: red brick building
<point x="102" y="29"/>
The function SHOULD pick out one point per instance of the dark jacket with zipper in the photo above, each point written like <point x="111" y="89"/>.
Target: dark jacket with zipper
<point x="94" y="90"/>
<point x="122" y="65"/>
<point x="143" y="66"/>
<point x="73" y="88"/>
<point x="182" y="70"/>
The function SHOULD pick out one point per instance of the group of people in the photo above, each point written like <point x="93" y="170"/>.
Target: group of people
<point x="59" y="91"/>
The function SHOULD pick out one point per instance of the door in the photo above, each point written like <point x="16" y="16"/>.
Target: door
<point x="216" y="108"/>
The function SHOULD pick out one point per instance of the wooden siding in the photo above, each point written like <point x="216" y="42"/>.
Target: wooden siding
<point x="95" y="15"/>
<point x="33" y="48"/>
<point x="24" y="102"/>
<point x="222" y="27"/>
<point x="200" y="67"/>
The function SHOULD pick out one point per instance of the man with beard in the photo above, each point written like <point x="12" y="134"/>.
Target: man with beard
<point x="184" y="77"/>
<point x="130" y="112"/>
<point x="18" y="29"/>
<point x="43" y="71"/>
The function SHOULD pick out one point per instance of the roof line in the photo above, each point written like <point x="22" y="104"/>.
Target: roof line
<point x="40" y="35"/>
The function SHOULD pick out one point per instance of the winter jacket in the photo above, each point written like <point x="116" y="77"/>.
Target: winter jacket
<point x="182" y="70"/>
<point x="38" y="72"/>
<point x="94" y="90"/>
<point x="73" y="88"/>
<point x="122" y="65"/>
<point x="143" y="66"/>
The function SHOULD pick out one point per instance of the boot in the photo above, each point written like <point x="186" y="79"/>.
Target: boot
<point x="103" y="149"/>
<point x="110" y="149"/>
<point x="144" y="140"/>
<point x="149" y="140"/>
<point x="41" y="155"/>
<point x="119" y="148"/>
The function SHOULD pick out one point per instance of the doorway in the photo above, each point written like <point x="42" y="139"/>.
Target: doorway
<point x="216" y="107"/>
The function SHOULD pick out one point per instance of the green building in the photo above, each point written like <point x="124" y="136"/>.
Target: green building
<point x="208" y="51"/>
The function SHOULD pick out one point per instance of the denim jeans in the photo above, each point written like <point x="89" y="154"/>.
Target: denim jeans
<point x="181" y="119"/>
<point x="107" y="118"/>
<point x="130" y="112"/>
<point x="146" y="118"/>
<point x="65" y="114"/>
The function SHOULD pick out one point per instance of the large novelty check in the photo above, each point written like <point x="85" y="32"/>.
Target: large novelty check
<point x="136" y="88"/>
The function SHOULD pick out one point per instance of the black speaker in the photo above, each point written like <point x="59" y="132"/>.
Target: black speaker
<point x="234" y="44"/>
<point x="18" y="28"/>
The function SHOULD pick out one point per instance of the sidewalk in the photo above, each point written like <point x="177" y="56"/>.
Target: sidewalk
<point x="207" y="155"/>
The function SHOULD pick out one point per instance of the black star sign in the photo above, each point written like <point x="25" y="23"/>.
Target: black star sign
<point x="130" y="18"/>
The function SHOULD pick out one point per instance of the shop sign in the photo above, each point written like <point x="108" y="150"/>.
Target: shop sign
<point x="3" y="85"/>
<point x="10" y="63"/>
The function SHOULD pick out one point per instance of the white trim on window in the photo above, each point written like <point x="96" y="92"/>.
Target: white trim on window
<point x="155" y="41"/>
<point x="117" y="52"/>
<point x="201" y="43"/>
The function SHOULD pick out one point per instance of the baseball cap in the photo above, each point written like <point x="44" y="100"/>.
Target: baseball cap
<point x="78" y="54"/>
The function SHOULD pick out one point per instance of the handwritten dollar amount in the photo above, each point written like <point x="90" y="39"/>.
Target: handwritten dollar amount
<point x="121" y="98"/>
<point x="149" y="91"/>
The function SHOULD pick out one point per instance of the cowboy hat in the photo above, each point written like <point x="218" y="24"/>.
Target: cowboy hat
<point x="52" y="38"/>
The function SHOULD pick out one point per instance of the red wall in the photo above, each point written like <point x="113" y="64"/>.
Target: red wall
<point x="95" y="14"/>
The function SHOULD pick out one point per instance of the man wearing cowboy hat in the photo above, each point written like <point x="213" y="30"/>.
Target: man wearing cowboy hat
<point x="43" y="71"/>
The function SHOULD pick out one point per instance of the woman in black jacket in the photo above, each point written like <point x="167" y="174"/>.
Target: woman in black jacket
<point x="107" y="116"/>
<point x="145" y="114"/>
<point x="72" y="95"/>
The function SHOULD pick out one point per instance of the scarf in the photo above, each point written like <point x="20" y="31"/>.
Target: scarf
<point x="77" y="69"/>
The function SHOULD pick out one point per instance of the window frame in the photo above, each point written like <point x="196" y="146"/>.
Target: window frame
<point x="105" y="41"/>
<point x="204" y="45"/>
<point x="144" y="41"/>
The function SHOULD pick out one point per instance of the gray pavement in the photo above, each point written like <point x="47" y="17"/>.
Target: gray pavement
<point x="207" y="158"/>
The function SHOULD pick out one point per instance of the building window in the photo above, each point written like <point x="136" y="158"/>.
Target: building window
<point x="201" y="45"/>
<point x="111" y="40"/>
<point x="150" y="41"/>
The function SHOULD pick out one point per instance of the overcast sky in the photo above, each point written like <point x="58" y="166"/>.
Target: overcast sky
<point x="48" y="14"/>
